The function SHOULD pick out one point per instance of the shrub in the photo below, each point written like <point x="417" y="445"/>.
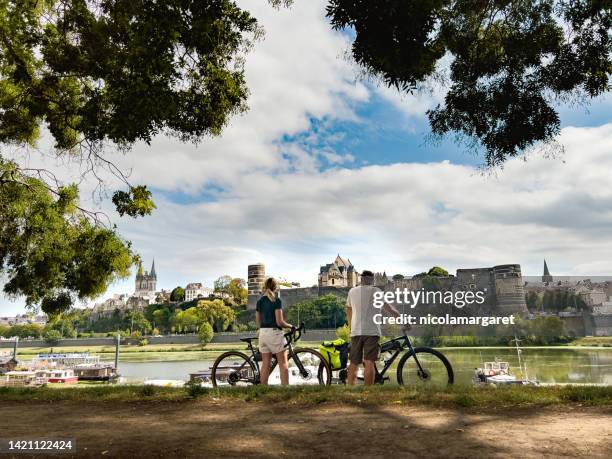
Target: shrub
<point x="52" y="337"/>
<point x="143" y="342"/>
<point x="206" y="333"/>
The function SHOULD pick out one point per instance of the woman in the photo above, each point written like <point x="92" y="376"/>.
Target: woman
<point x="269" y="317"/>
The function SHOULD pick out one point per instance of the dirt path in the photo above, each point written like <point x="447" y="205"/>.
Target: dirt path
<point x="254" y="429"/>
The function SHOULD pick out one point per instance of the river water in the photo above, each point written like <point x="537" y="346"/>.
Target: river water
<point x="547" y="365"/>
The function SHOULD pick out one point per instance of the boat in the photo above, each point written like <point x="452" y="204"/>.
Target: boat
<point x="86" y="367"/>
<point x="498" y="372"/>
<point x="60" y="376"/>
<point x="95" y="372"/>
<point x="23" y="378"/>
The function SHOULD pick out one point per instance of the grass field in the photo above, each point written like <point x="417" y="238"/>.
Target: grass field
<point x="306" y="396"/>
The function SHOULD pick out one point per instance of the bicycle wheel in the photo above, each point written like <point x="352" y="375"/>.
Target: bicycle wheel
<point x="316" y="369"/>
<point x="233" y="369"/>
<point x="436" y="369"/>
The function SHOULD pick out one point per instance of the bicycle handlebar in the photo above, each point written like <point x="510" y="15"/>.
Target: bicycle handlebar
<point x="295" y="334"/>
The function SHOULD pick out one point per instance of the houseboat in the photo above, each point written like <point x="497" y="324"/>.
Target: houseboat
<point x="95" y="372"/>
<point x="20" y="378"/>
<point x="60" y="376"/>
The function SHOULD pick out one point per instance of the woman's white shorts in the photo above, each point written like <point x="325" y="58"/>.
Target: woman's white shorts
<point x="271" y="340"/>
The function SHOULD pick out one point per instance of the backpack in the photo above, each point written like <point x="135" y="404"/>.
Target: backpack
<point x="335" y="353"/>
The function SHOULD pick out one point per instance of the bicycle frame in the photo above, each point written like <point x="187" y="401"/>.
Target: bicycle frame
<point x="403" y="342"/>
<point x="289" y="338"/>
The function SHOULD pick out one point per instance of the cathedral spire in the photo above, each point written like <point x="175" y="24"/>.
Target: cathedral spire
<point x="546" y="277"/>
<point x="139" y="273"/>
<point x="153" y="269"/>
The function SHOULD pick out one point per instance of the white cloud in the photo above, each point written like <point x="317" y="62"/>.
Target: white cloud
<point x="277" y="207"/>
<point x="400" y="217"/>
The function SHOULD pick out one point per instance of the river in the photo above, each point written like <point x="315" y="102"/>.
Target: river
<point x="547" y="365"/>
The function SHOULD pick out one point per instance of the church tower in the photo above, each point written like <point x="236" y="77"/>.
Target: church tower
<point x="546" y="277"/>
<point x="146" y="283"/>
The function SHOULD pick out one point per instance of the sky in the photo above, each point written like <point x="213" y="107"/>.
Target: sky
<point x="325" y="162"/>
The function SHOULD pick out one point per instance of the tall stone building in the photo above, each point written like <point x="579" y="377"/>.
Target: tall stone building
<point x="146" y="283"/>
<point x="339" y="273"/>
<point x="256" y="276"/>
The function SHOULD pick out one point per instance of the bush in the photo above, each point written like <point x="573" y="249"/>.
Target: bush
<point x="143" y="342"/>
<point x="206" y="333"/>
<point x="136" y="334"/>
<point x="52" y="337"/>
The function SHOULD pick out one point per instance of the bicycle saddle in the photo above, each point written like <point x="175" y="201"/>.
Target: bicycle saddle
<point x="249" y="339"/>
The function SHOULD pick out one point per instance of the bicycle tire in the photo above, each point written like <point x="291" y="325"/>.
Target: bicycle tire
<point x="324" y="372"/>
<point x="248" y="361"/>
<point x="419" y="378"/>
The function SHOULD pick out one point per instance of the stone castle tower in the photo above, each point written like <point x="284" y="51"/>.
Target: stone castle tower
<point x="256" y="278"/>
<point x="146" y="282"/>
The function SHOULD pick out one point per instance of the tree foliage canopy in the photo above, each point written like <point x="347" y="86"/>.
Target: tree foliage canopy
<point x="49" y="251"/>
<point x="120" y="70"/>
<point x="511" y="61"/>
<point x="92" y="73"/>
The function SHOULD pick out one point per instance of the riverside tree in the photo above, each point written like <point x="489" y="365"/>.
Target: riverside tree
<point x="511" y="62"/>
<point x="92" y="74"/>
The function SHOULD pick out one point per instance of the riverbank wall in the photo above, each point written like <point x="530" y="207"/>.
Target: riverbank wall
<point x="311" y="335"/>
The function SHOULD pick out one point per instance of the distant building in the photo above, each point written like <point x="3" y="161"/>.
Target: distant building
<point x="339" y="273"/>
<point x="196" y="290"/>
<point x="24" y="319"/>
<point x="256" y="276"/>
<point x="146" y="283"/>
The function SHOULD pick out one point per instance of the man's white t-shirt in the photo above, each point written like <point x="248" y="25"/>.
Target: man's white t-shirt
<point x="361" y="300"/>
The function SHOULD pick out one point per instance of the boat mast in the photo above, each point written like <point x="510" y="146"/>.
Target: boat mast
<point x="518" y="353"/>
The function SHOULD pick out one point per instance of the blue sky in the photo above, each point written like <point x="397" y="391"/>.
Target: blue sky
<point x="324" y="163"/>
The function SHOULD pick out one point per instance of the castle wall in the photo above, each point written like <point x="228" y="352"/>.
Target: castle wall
<point x="602" y="324"/>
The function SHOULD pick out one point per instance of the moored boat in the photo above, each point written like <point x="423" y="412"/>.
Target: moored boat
<point x="60" y="376"/>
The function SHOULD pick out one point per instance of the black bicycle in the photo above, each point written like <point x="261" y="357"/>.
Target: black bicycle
<point x="306" y="366"/>
<point x="420" y="365"/>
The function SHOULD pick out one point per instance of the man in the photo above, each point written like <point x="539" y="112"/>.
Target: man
<point x="365" y="333"/>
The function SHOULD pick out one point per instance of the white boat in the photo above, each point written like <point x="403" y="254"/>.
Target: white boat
<point x="498" y="372"/>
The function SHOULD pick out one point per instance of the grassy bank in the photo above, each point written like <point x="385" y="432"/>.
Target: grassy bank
<point x="593" y="341"/>
<point x="467" y="397"/>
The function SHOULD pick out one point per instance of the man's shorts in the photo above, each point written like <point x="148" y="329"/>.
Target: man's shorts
<point x="364" y="348"/>
<point x="271" y="340"/>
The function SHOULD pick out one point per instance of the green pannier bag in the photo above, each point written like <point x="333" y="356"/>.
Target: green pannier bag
<point x="335" y="353"/>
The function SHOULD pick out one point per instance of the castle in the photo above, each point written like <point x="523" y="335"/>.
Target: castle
<point x="502" y="284"/>
<point x="339" y="273"/>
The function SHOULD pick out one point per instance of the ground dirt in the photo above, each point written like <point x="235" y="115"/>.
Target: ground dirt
<point x="210" y="428"/>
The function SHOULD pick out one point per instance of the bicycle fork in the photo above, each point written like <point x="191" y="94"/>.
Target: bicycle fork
<point x="420" y="371"/>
